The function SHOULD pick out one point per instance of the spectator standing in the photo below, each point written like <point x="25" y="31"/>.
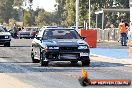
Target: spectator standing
<point x="15" y="31"/>
<point x="123" y="32"/>
<point x="19" y="28"/>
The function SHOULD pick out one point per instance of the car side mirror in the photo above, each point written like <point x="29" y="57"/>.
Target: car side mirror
<point x="83" y="37"/>
<point x="35" y="35"/>
<point x="38" y="38"/>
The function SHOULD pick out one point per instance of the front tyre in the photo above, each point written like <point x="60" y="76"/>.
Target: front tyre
<point x="86" y="63"/>
<point x="34" y="60"/>
<point x="7" y="44"/>
<point x="42" y="62"/>
<point x="74" y="62"/>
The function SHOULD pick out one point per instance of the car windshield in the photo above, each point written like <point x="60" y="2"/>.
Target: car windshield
<point x="2" y="29"/>
<point x="60" y="34"/>
<point x="28" y="29"/>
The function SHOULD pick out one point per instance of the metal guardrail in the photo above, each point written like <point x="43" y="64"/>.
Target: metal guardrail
<point x="108" y="34"/>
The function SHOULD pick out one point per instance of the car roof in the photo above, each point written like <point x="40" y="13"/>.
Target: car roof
<point x="58" y="28"/>
<point x="49" y="26"/>
<point x="1" y="25"/>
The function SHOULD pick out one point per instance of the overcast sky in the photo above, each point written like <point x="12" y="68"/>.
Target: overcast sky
<point x="48" y="5"/>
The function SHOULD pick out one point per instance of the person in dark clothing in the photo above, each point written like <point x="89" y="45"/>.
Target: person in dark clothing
<point x="123" y="32"/>
<point x="19" y="28"/>
<point x="15" y="31"/>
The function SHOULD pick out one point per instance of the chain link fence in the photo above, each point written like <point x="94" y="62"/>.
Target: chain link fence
<point x="108" y="34"/>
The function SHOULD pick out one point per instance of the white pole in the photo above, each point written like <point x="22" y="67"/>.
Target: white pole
<point x="84" y="24"/>
<point x="77" y="5"/>
<point x="96" y="20"/>
<point x="89" y="15"/>
<point x="103" y="21"/>
<point x="103" y="37"/>
<point x="130" y="3"/>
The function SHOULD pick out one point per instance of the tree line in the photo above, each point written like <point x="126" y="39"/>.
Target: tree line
<point x="12" y="11"/>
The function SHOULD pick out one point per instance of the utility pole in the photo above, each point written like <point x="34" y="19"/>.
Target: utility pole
<point x="130" y="4"/>
<point x="77" y="6"/>
<point x="30" y="10"/>
<point x="89" y="15"/>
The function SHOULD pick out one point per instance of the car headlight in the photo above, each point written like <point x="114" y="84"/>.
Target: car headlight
<point x="83" y="47"/>
<point x="6" y="37"/>
<point x="53" y="47"/>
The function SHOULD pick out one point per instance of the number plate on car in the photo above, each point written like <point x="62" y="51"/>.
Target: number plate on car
<point x="83" y="54"/>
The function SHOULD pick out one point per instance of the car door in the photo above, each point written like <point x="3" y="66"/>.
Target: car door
<point x="36" y="44"/>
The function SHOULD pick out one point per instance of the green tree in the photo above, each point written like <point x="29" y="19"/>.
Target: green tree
<point x="43" y="18"/>
<point x="83" y="11"/>
<point x="30" y="1"/>
<point x="70" y="10"/>
<point x="27" y="16"/>
<point x="18" y="3"/>
<point x="6" y="10"/>
<point x="110" y="17"/>
<point x="60" y="13"/>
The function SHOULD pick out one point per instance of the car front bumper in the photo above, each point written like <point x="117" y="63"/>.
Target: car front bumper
<point x="65" y="55"/>
<point x="25" y="36"/>
<point x="3" y="41"/>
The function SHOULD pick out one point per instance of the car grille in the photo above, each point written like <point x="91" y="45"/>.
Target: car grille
<point x="69" y="56"/>
<point x="68" y="48"/>
<point x="24" y="33"/>
<point x="2" y="37"/>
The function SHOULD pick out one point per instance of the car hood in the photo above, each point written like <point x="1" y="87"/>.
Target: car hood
<point x="64" y="42"/>
<point x="5" y="33"/>
<point x="24" y="32"/>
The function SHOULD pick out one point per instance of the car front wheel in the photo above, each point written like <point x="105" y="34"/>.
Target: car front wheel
<point x="86" y="63"/>
<point x="74" y="62"/>
<point x="33" y="59"/>
<point x="42" y="62"/>
<point x="7" y="44"/>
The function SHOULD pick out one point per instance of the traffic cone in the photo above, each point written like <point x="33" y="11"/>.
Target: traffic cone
<point x="84" y="80"/>
<point x="84" y="74"/>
